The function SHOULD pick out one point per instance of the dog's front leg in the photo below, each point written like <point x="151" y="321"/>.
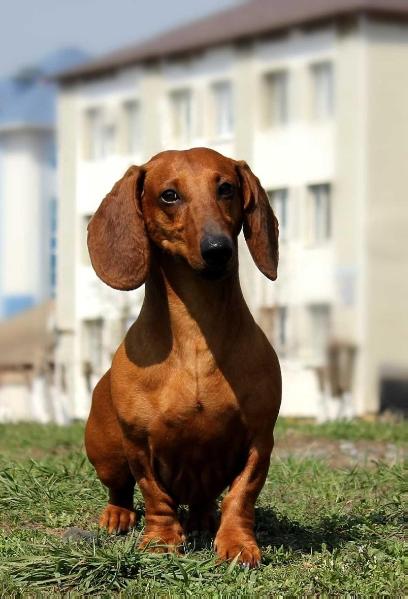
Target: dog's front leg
<point x="163" y="531"/>
<point x="236" y="533"/>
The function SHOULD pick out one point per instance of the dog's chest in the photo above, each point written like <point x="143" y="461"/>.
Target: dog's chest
<point x="198" y="437"/>
<point x="198" y="403"/>
<point x="199" y="446"/>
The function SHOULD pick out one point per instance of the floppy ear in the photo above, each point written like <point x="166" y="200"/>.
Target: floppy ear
<point x="260" y="225"/>
<point x="117" y="238"/>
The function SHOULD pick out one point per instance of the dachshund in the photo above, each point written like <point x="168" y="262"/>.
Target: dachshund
<point x="189" y="404"/>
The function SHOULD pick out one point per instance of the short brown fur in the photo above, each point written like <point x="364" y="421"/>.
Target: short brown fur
<point x="189" y="405"/>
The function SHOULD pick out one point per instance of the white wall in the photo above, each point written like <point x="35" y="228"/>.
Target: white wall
<point x="27" y="186"/>
<point x="344" y="151"/>
<point x="386" y="221"/>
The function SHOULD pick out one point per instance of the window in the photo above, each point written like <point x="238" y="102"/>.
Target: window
<point x="223" y="109"/>
<point x="51" y="152"/>
<point x="280" y="205"/>
<point x="274" y="323"/>
<point x="282" y="326"/>
<point x="85" y="252"/>
<point x="276" y="98"/>
<point x="94" y="124"/>
<point x="108" y="140"/>
<point x="92" y="344"/>
<point x="53" y="244"/>
<point x="319" y="329"/>
<point x="320" y="212"/>
<point x="181" y="120"/>
<point x="133" y="127"/>
<point x="323" y="90"/>
<point x="101" y="135"/>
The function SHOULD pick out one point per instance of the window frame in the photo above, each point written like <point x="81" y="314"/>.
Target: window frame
<point x="53" y="244"/>
<point x="84" y="222"/>
<point x="282" y="317"/>
<point x="322" y="110"/>
<point x="96" y="140"/>
<point x="92" y="349"/>
<point x="318" y="341"/>
<point x="276" y="113"/>
<point x="132" y="147"/>
<point x="185" y="133"/>
<point x="320" y="234"/>
<point x="283" y="216"/>
<point x="223" y="132"/>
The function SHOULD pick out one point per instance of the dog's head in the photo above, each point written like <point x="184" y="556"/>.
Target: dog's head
<point x="191" y="204"/>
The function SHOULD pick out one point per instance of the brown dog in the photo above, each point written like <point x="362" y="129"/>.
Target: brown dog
<point x="189" y="405"/>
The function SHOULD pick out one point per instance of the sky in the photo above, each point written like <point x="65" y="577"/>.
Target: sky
<point x="30" y="29"/>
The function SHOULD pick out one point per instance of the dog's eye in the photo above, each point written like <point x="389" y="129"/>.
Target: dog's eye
<point x="226" y="190"/>
<point x="169" y="196"/>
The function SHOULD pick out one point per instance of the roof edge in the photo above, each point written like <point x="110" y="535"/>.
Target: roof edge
<point x="110" y="63"/>
<point x="19" y="125"/>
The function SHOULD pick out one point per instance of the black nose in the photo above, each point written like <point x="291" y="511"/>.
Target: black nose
<point x="216" y="250"/>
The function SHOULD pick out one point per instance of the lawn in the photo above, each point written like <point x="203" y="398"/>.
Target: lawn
<point x="330" y="520"/>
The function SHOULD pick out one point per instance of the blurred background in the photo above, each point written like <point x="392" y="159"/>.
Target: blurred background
<point x="312" y="94"/>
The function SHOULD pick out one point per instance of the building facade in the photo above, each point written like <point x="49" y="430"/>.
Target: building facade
<point x="316" y="101"/>
<point x="27" y="203"/>
<point x="28" y="228"/>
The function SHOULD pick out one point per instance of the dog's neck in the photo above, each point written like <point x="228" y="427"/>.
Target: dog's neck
<point x="193" y="305"/>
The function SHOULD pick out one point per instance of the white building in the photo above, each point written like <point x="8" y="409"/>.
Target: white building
<point x="28" y="199"/>
<point x="28" y="213"/>
<point x="315" y="97"/>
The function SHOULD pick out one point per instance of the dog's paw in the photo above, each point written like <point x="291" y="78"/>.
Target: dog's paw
<point x="117" y="519"/>
<point x="229" y="546"/>
<point x="163" y="540"/>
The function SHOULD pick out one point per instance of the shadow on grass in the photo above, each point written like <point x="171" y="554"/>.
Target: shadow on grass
<point x="274" y="530"/>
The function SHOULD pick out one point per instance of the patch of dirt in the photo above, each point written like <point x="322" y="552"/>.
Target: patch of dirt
<point x="338" y="453"/>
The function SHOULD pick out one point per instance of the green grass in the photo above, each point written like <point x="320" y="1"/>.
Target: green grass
<point x="323" y="531"/>
<point x="349" y="430"/>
